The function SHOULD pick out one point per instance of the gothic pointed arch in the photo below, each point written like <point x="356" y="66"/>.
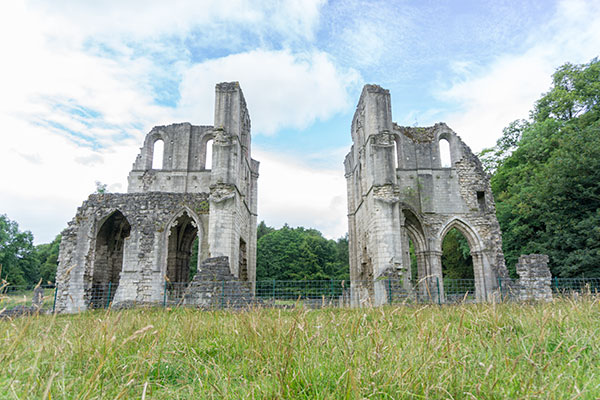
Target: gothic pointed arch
<point x="111" y="233"/>
<point x="480" y="286"/>
<point x="475" y="242"/>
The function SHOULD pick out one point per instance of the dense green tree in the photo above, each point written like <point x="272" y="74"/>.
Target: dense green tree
<point x="20" y="265"/>
<point x="300" y="254"/>
<point x="262" y="229"/>
<point x="546" y="176"/>
<point x="47" y="255"/>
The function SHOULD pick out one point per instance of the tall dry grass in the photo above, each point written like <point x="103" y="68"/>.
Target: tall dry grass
<point x="482" y="351"/>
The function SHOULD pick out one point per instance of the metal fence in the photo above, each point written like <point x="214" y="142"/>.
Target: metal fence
<point x="570" y="286"/>
<point x="16" y="300"/>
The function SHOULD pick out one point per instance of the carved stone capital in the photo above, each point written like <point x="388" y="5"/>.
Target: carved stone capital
<point x="221" y="192"/>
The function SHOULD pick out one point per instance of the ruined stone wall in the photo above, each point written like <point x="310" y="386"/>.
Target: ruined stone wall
<point x="144" y="252"/>
<point x="184" y="168"/>
<point x="220" y="199"/>
<point x="398" y="189"/>
<point x="534" y="278"/>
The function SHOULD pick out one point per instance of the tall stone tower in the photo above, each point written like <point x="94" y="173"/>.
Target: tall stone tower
<point x="398" y="190"/>
<point x="133" y="242"/>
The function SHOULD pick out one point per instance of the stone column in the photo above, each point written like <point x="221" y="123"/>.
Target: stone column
<point x="435" y="278"/>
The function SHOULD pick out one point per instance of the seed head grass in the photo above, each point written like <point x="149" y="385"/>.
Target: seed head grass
<point x="471" y="351"/>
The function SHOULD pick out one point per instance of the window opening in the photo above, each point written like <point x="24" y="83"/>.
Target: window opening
<point x="208" y="158"/>
<point x="445" y="159"/>
<point x="481" y="201"/>
<point x="158" y="153"/>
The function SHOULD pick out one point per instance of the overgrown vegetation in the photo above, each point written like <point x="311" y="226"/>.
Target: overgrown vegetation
<point x="546" y="176"/>
<point x="484" y="351"/>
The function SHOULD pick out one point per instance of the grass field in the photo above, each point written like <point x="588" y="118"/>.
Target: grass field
<point x="482" y="351"/>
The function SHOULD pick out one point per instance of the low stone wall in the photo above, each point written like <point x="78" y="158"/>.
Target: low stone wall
<point x="534" y="278"/>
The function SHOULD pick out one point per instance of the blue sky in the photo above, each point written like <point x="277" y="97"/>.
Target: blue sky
<point x="83" y="82"/>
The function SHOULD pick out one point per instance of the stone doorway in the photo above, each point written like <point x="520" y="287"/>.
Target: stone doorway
<point x="108" y="259"/>
<point x="182" y="235"/>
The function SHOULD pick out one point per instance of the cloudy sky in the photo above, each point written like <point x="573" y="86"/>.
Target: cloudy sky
<point x="82" y="82"/>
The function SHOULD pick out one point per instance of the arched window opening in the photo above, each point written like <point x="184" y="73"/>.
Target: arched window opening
<point x="108" y="259"/>
<point x="208" y="158"/>
<point x="158" y="153"/>
<point x="457" y="267"/>
<point x="445" y="159"/>
<point x="395" y="155"/>
<point x="182" y="237"/>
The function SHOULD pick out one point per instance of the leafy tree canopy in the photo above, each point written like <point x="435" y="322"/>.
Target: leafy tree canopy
<point x="546" y="176"/>
<point x="17" y="254"/>
<point x="300" y="254"/>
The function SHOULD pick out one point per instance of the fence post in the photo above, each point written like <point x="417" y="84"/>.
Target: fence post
<point x="108" y="297"/>
<point x="390" y="298"/>
<point x="556" y="284"/>
<point x="165" y="295"/>
<point x="55" y="292"/>
<point x="437" y="281"/>
<point x="223" y="294"/>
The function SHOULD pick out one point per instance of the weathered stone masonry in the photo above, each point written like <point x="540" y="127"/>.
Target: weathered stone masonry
<point x="135" y="241"/>
<point x="398" y="189"/>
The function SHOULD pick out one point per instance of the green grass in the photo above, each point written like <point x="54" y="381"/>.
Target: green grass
<point x="483" y="351"/>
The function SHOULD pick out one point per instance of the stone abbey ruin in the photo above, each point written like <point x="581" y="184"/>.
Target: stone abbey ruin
<point x="398" y="190"/>
<point x="130" y="243"/>
<point x="125" y="248"/>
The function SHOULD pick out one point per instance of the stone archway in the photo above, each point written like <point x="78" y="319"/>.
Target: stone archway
<point x="182" y="232"/>
<point x="481" y="273"/>
<point x="108" y="259"/>
<point x="415" y="234"/>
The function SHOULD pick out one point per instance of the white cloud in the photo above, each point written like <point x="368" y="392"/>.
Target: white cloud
<point x="366" y="43"/>
<point x="74" y="114"/>
<point x="143" y="19"/>
<point x="497" y="94"/>
<point x="292" y="192"/>
<point x="282" y="89"/>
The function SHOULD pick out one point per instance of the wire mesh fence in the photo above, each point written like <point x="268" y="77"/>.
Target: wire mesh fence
<point x="17" y="300"/>
<point x="214" y="294"/>
<point x="570" y="286"/>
